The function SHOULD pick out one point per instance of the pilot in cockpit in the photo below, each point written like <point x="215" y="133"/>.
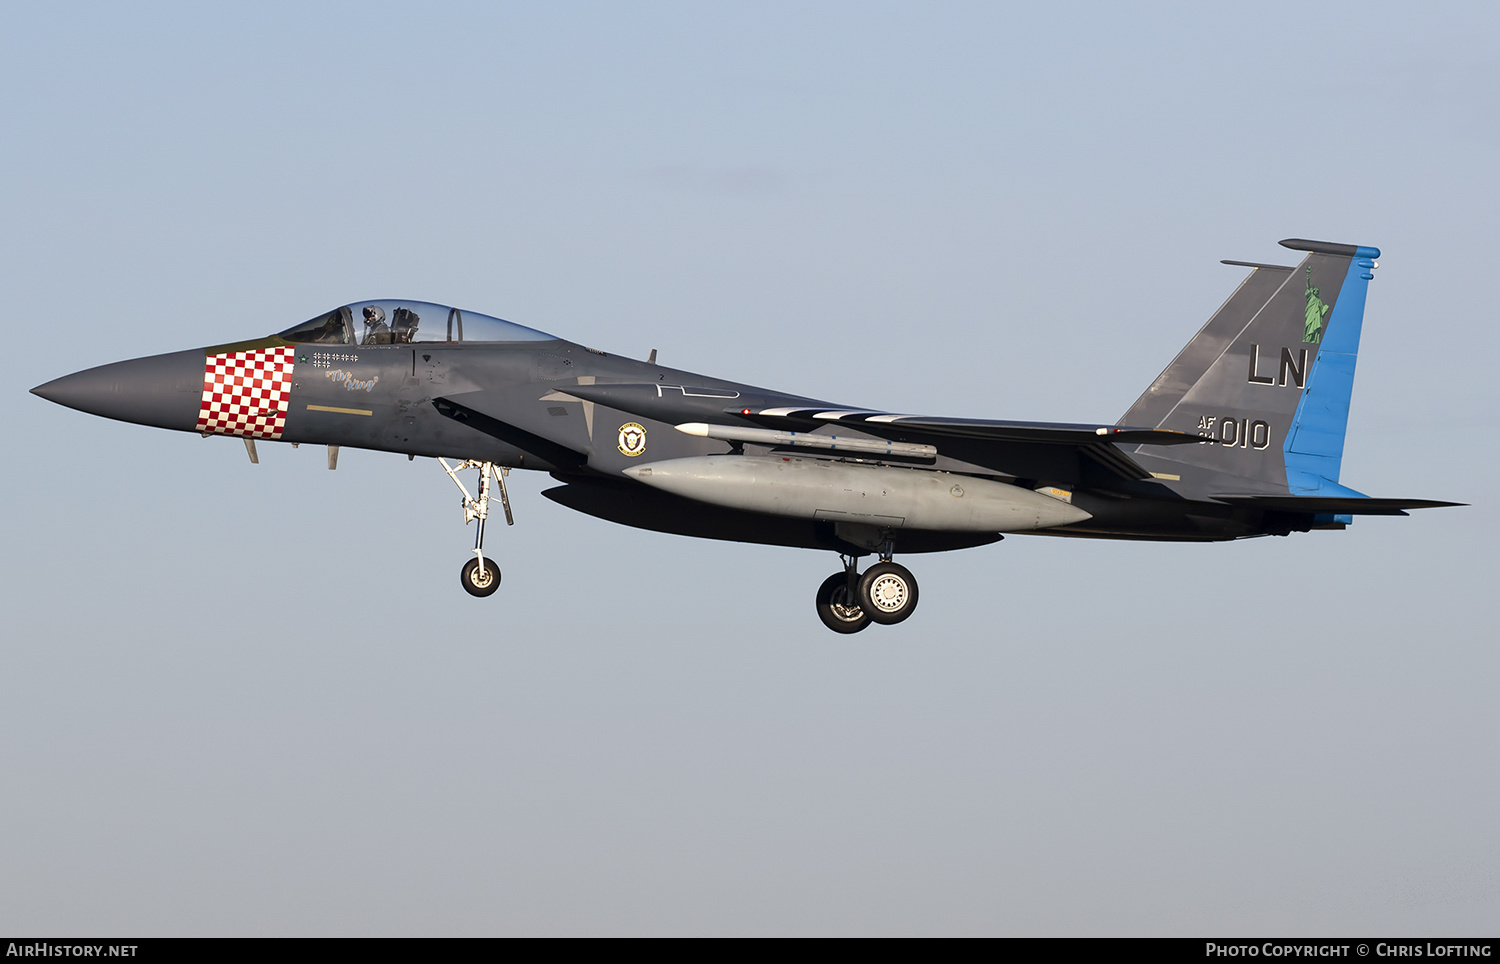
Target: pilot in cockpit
<point x="377" y="332"/>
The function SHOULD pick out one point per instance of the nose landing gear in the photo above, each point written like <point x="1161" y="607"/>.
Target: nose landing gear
<point x="480" y="576"/>
<point x="847" y="602"/>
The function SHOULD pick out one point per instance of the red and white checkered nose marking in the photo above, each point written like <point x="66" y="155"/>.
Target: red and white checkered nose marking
<point x="246" y="393"/>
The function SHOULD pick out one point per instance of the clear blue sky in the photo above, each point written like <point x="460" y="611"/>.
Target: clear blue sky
<point x="254" y="700"/>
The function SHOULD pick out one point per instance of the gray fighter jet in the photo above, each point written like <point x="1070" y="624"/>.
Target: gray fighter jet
<point x="1241" y="436"/>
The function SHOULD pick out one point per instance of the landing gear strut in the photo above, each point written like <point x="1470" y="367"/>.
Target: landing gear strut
<point x="480" y="576"/>
<point x="848" y="602"/>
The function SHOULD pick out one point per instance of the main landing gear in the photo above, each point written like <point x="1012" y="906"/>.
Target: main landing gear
<point x="480" y="576"/>
<point x="886" y="593"/>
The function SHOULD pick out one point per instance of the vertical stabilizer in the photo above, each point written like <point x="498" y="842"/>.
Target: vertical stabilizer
<point x="1200" y="354"/>
<point x="1270" y="377"/>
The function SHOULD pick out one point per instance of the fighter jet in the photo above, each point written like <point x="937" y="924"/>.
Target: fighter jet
<point x="1242" y="435"/>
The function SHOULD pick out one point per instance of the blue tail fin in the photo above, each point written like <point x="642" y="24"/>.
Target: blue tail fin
<point x="1269" y="378"/>
<point x="1314" y="449"/>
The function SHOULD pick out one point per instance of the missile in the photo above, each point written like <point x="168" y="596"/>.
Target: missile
<point x="682" y="403"/>
<point x="839" y="443"/>
<point x="883" y="496"/>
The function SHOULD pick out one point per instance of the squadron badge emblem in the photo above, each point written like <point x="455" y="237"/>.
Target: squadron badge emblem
<point x="632" y="439"/>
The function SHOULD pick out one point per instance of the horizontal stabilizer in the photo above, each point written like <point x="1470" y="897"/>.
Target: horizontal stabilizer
<point x="1334" y="505"/>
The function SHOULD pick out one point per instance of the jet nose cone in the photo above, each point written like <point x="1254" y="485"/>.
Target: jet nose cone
<point x="161" y="390"/>
<point x="49" y="390"/>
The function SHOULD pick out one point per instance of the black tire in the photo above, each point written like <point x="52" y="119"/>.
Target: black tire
<point x="470" y="578"/>
<point x="836" y="609"/>
<point x="888" y="593"/>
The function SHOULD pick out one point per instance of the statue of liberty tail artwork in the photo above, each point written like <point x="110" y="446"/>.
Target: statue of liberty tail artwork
<point x="1316" y="312"/>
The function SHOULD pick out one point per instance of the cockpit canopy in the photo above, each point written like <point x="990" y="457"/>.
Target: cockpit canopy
<point x="404" y="323"/>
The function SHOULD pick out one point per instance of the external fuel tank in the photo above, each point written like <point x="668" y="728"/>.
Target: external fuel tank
<point x="876" y="495"/>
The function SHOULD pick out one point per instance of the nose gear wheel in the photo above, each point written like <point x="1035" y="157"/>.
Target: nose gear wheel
<point x="480" y="582"/>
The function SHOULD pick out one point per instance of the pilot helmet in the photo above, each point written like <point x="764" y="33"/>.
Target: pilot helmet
<point x="374" y="315"/>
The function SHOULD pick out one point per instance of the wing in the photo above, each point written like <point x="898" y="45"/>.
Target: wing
<point x="1051" y="449"/>
<point x="984" y="441"/>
